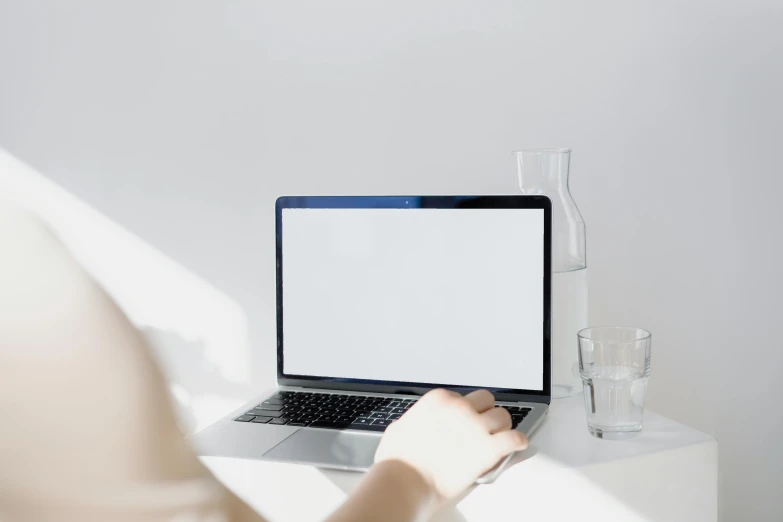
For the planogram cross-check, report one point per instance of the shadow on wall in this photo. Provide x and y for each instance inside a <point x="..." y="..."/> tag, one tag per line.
<point x="198" y="333"/>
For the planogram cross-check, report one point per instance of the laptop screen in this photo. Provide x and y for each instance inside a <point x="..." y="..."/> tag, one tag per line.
<point x="443" y="296"/>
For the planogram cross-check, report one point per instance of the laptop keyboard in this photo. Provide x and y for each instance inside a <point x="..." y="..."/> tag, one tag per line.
<point x="337" y="411"/>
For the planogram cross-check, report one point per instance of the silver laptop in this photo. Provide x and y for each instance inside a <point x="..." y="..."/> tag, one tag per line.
<point x="380" y="299"/>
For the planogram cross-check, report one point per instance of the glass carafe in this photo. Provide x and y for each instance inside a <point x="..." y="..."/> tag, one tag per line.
<point x="545" y="172"/>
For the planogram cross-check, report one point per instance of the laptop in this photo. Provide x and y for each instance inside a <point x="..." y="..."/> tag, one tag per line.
<point x="381" y="299"/>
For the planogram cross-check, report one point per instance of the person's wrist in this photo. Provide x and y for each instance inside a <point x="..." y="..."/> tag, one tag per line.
<point x="409" y="484"/>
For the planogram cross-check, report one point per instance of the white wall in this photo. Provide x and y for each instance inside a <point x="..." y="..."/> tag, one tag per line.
<point x="183" y="120"/>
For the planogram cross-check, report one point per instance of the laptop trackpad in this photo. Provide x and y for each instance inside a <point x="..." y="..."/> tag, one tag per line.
<point x="327" y="448"/>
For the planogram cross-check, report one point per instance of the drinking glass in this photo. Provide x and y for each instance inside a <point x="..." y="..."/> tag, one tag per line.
<point x="614" y="363"/>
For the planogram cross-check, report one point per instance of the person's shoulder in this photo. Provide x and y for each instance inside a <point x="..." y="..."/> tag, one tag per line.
<point x="20" y="227"/>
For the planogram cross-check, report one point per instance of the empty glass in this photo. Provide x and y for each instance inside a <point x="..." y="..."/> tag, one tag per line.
<point x="614" y="363"/>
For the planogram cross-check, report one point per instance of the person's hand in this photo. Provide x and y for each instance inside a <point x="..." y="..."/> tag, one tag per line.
<point x="451" y="440"/>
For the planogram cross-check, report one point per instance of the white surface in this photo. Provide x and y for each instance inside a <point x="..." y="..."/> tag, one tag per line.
<point x="668" y="473"/>
<point x="183" y="121"/>
<point x="415" y="295"/>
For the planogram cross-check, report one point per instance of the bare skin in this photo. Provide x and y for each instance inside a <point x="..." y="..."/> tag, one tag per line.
<point x="431" y="455"/>
<point x="70" y="359"/>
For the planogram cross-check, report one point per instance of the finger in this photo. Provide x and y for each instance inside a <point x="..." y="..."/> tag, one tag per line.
<point x="508" y="441"/>
<point x="481" y="400"/>
<point x="496" y="419"/>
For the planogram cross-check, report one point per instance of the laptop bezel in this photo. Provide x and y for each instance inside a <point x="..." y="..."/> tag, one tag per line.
<point x="413" y="202"/>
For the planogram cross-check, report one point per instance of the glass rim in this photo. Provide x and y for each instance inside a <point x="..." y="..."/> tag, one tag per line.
<point x="555" y="150"/>
<point x="644" y="334"/>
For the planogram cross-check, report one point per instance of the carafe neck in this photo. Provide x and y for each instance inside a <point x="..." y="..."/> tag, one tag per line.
<point x="543" y="171"/>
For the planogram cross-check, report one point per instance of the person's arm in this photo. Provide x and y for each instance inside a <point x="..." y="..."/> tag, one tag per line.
<point x="88" y="429"/>
<point x="432" y="454"/>
<point x="73" y="368"/>
<point x="392" y="491"/>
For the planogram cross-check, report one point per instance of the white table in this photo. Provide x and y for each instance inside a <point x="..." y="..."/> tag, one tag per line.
<point x="669" y="472"/>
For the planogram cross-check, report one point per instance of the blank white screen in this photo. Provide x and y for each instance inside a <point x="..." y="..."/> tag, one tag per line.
<point x="443" y="296"/>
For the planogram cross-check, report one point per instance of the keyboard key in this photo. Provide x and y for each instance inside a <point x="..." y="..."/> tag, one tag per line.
<point x="298" y="423"/>
<point x="378" y="416"/>
<point x="394" y="416"/>
<point x="266" y="413"/>
<point x="244" y="418"/>
<point x="273" y="401"/>
<point x="344" y="420"/>
<point x="261" y="420"/>
<point x="367" y="427"/>
<point x="274" y="407"/>
<point x="330" y="425"/>
<point x="515" y="409"/>
<point x="381" y="422"/>
<point x="280" y="420"/>
<point x="398" y="410"/>
<point x="382" y="410"/>
<point x="363" y="420"/>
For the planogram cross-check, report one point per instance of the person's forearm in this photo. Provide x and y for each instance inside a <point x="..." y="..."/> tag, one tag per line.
<point x="391" y="492"/>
